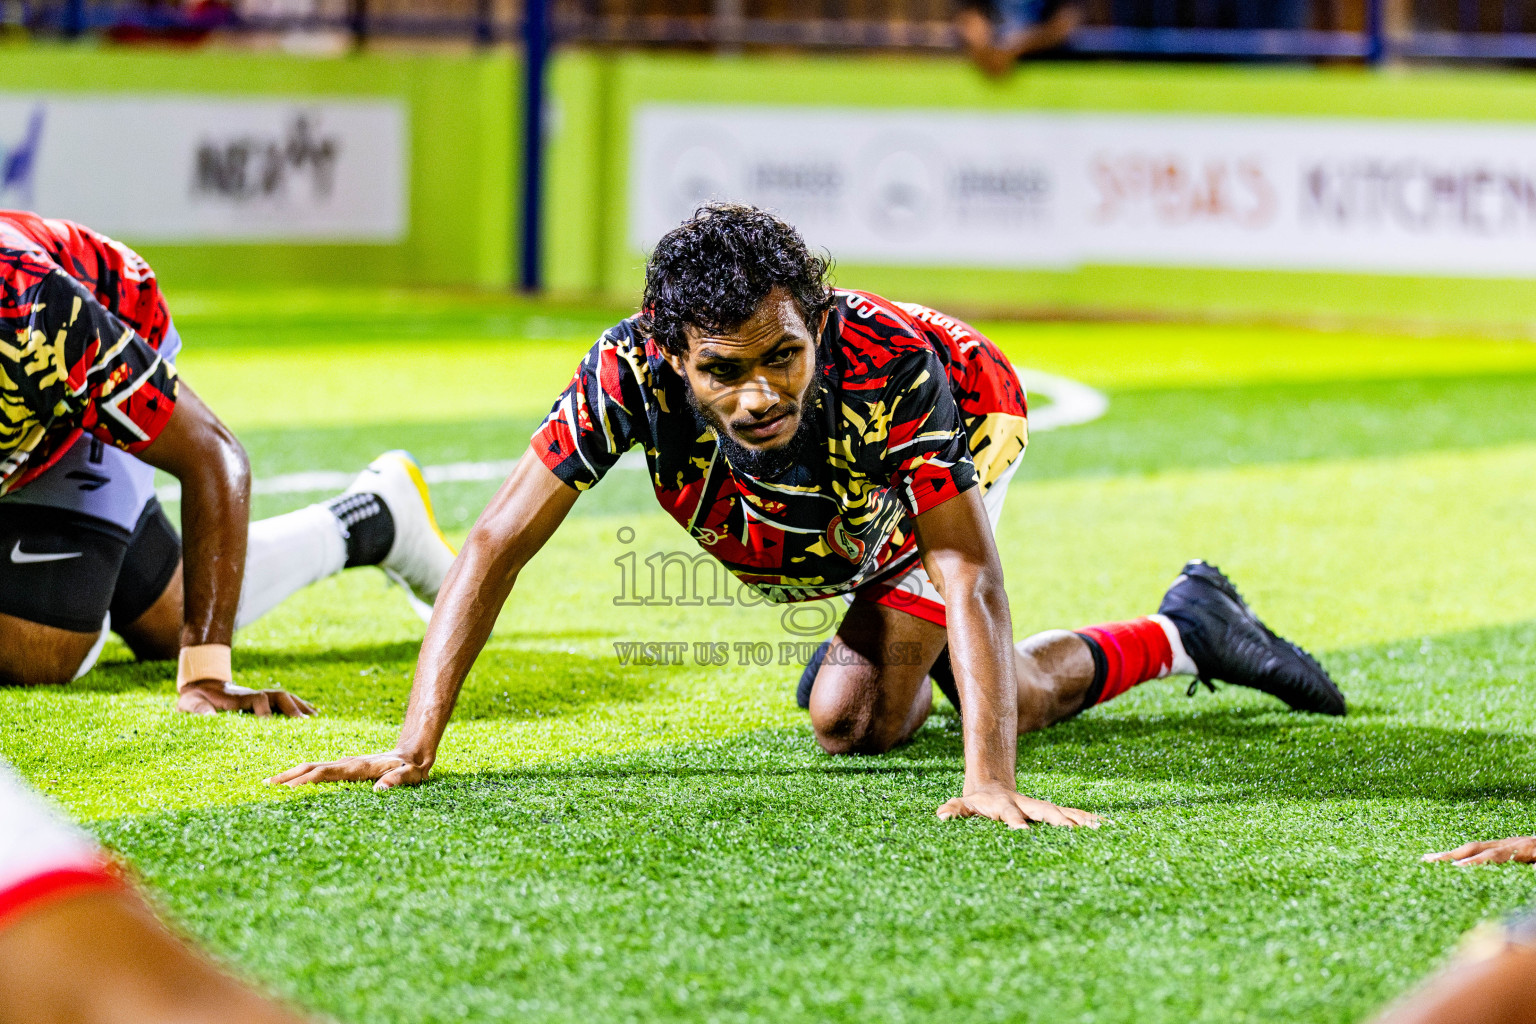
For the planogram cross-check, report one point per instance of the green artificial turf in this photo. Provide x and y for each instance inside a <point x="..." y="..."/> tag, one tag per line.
<point x="610" y="842"/>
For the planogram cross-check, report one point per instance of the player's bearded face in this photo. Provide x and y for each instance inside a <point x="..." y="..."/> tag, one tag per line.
<point x="756" y="385"/>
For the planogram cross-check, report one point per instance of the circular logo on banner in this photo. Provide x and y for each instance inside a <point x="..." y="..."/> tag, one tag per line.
<point x="697" y="168"/>
<point x="904" y="189"/>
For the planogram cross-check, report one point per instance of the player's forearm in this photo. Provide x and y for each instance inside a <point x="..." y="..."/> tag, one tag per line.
<point x="1490" y="991"/>
<point x="974" y="30"/>
<point x="215" y="476"/>
<point x="215" y="519"/>
<point x="981" y="650"/>
<point x="514" y="527"/>
<point x="137" y="970"/>
<point x="472" y="597"/>
<point x="473" y="593"/>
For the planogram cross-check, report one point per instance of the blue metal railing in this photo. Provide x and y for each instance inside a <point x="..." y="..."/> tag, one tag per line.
<point x="1467" y="40"/>
<point x="1469" y="37"/>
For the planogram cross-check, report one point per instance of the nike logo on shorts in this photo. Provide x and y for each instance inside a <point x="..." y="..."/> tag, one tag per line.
<point x="21" y="557"/>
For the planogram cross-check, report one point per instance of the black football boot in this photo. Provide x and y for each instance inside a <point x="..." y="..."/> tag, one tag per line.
<point x="1227" y="641"/>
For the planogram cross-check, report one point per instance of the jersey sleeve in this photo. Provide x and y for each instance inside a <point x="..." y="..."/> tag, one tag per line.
<point x="114" y="380"/>
<point x="42" y="857"/>
<point x="926" y="459"/>
<point x="598" y="416"/>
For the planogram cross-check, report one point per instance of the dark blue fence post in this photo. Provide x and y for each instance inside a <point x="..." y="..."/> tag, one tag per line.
<point x="74" y="19"/>
<point x="1375" y="31"/>
<point x="485" y="33"/>
<point x="357" y="22"/>
<point x="535" y="57"/>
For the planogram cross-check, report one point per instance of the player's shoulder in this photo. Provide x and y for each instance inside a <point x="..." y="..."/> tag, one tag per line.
<point x="22" y="251"/>
<point x="624" y="352"/>
<point x="875" y="339"/>
<point x="866" y="314"/>
<point x="941" y="327"/>
<point x="627" y="342"/>
<point x="24" y="231"/>
<point x="75" y="248"/>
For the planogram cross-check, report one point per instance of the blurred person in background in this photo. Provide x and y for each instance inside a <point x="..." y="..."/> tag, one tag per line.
<point x="90" y="406"/>
<point x="305" y="31"/>
<point x="1492" y="980"/>
<point x="170" y="21"/>
<point x="79" y="946"/>
<point x="997" y="34"/>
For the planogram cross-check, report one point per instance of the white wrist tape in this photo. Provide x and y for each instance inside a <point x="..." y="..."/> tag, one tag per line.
<point x="205" y="662"/>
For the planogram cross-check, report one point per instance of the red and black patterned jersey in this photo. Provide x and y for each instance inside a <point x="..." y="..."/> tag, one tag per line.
<point x="915" y="408"/>
<point x="81" y="324"/>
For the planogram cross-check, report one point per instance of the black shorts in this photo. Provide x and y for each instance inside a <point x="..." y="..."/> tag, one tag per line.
<point x="64" y="569"/>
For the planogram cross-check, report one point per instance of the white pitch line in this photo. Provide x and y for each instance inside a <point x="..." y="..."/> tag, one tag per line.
<point x="1072" y="403"/>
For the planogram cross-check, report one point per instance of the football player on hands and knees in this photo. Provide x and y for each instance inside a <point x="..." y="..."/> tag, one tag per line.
<point x="829" y="443"/>
<point x="90" y="406"/>
<point x="78" y="945"/>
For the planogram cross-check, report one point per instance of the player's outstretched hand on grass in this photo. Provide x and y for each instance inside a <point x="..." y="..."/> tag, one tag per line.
<point x="209" y="698"/>
<point x="1520" y="849"/>
<point x="1016" y="810"/>
<point x="385" y="771"/>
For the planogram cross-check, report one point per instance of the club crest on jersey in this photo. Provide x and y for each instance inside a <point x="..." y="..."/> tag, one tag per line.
<point x="843" y="542"/>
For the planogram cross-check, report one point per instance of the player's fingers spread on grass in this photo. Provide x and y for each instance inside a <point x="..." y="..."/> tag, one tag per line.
<point x="290" y="705"/>
<point x="1497" y="855"/>
<point x="1464" y="850"/>
<point x="261" y="704"/>
<point x="1041" y="810"/>
<point x="956" y="808"/>
<point x="1521" y="849"/>
<point x="405" y="775"/>
<point x="1014" y="817"/>
<point x="1079" y="818"/>
<point x="307" y="773"/>
<point x="292" y="773"/>
<point x="331" y="772"/>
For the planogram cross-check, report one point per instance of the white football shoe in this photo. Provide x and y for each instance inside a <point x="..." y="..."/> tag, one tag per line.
<point x="420" y="555"/>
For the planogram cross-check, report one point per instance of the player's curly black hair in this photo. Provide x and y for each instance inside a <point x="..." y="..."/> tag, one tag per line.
<point x="712" y="271"/>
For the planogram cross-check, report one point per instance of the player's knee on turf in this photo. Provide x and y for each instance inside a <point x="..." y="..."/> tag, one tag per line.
<point x="852" y="727"/>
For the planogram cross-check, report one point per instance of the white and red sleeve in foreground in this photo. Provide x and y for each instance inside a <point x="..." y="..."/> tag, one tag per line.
<point x="42" y="856"/>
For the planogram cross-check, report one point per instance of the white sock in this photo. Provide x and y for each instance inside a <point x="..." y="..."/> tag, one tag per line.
<point x="1183" y="664"/>
<point x="284" y="555"/>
